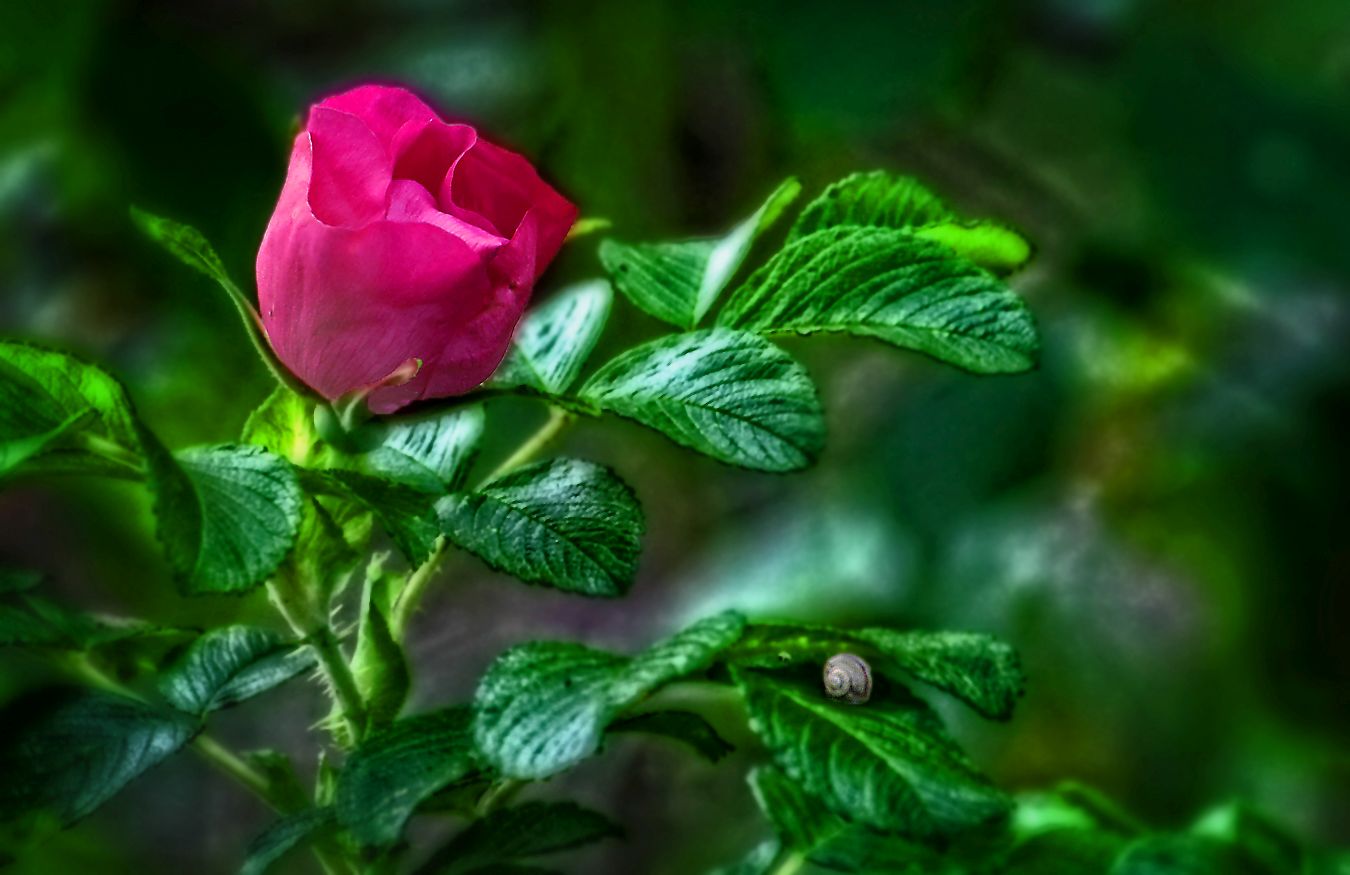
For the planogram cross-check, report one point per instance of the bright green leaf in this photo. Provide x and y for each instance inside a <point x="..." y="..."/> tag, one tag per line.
<point x="553" y="341"/>
<point x="47" y="398"/>
<point x="727" y="394"/>
<point x="397" y="768"/>
<point x="889" y="765"/>
<point x="884" y="200"/>
<point x="283" y="424"/>
<point x="522" y="831"/>
<point x="283" y="836"/>
<point x="379" y="664"/>
<point x="406" y="513"/>
<point x="228" y="514"/>
<point x="230" y="664"/>
<point x="887" y="284"/>
<point x="685" y="727"/>
<point x="70" y="759"/>
<point x="877" y="198"/>
<point x="679" y="282"/>
<point x="564" y="523"/>
<point x="544" y="706"/>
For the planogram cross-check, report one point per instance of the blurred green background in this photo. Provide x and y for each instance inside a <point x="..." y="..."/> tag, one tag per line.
<point x="1157" y="518"/>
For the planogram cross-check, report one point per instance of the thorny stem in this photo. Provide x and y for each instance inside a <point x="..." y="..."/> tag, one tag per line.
<point x="303" y="620"/>
<point x="413" y="590"/>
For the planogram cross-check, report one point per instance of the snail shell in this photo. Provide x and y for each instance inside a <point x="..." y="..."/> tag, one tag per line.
<point x="848" y="678"/>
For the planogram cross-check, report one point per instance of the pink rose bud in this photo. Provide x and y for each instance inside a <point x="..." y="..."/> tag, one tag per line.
<point x="399" y="238"/>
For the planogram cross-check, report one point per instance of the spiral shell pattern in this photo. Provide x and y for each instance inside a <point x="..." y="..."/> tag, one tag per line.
<point x="848" y="678"/>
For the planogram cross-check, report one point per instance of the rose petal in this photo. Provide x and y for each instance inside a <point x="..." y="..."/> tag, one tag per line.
<point x="410" y="202"/>
<point x="383" y="108"/>
<point x="350" y="169"/>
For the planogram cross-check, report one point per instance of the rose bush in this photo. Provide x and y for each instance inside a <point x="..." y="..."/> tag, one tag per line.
<point x="401" y="237"/>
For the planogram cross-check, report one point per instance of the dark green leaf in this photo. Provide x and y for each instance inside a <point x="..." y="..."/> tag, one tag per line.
<point x="890" y="285"/>
<point x="889" y="765"/>
<point x="228" y="514"/>
<point x="1063" y="851"/>
<point x="544" y="706"/>
<point x="554" y="340"/>
<point x="564" y="523"/>
<point x="1183" y="855"/>
<point x="230" y="664"/>
<point x="283" y="836"/>
<point x="679" y="282"/>
<point x="728" y="394"/>
<point x="32" y="621"/>
<point x="69" y="759"/>
<point x="523" y="831"/>
<point x="804" y="825"/>
<point x="398" y="767"/>
<point x="1259" y="838"/>
<point x="46" y="398"/>
<point x="185" y="243"/>
<point x="877" y="198"/>
<point x="982" y="671"/>
<point x="685" y="727"/>
<point x="763" y="859"/>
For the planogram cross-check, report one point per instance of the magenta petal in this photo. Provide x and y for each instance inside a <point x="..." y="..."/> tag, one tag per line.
<point x="345" y="307"/>
<point x="410" y="202"/>
<point x="350" y="169"/>
<point x="425" y="152"/>
<point x="383" y="108"/>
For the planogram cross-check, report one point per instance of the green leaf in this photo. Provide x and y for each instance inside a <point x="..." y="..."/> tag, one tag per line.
<point x="444" y="444"/>
<point x="830" y="841"/>
<point x="763" y="859"/>
<point x="553" y="341"/>
<point x="991" y="246"/>
<point x="379" y="664"/>
<point x="283" y="836"/>
<point x="68" y="760"/>
<point x="888" y="765"/>
<point x="1182" y="855"/>
<point x="47" y="398"/>
<point x="887" y="284"/>
<point x="876" y="198"/>
<point x="228" y="514"/>
<point x="679" y="282"/>
<point x="230" y="664"/>
<point x="981" y="671"/>
<point x="406" y="513"/>
<point x="32" y="621"/>
<point x="522" y="831"/>
<point x="397" y="768"/>
<point x="1259" y="838"/>
<point x="564" y="523"/>
<point x="881" y="199"/>
<point x="727" y="394"/>
<point x="1063" y="851"/>
<point x="283" y="424"/>
<point x="685" y="727"/>
<point x="544" y="706"/>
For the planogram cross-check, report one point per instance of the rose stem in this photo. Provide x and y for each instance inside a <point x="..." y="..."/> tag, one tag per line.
<point x="558" y="420"/>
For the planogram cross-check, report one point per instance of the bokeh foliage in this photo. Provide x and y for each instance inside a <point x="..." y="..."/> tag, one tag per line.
<point x="1155" y="518"/>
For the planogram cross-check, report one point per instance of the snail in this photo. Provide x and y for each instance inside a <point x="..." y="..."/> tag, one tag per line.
<point x="848" y="678"/>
